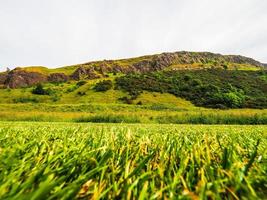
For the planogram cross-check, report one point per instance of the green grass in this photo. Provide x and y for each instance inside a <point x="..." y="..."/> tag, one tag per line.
<point x="149" y="113"/>
<point x="108" y="161"/>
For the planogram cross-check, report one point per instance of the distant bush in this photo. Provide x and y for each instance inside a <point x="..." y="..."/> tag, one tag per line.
<point x="103" y="86"/>
<point x="225" y="66"/>
<point x="81" y="83"/>
<point x="139" y="103"/>
<point x="72" y="88"/>
<point x="39" y="90"/>
<point x="81" y="93"/>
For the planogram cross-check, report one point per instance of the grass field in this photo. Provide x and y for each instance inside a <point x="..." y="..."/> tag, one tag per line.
<point x="156" y="113"/>
<point x="133" y="161"/>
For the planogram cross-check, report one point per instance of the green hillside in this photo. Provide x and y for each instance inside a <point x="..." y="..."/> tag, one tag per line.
<point x="180" y="87"/>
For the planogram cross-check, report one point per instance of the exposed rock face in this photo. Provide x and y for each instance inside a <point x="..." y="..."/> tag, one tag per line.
<point x="19" y="78"/>
<point x="143" y="66"/>
<point x="3" y="77"/>
<point x="164" y="60"/>
<point x="155" y="63"/>
<point x="84" y="73"/>
<point x="57" y="78"/>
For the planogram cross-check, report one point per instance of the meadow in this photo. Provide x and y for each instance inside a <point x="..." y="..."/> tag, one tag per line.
<point x="40" y="160"/>
<point x="155" y="113"/>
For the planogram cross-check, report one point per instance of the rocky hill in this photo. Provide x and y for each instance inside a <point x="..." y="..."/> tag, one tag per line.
<point x="24" y="77"/>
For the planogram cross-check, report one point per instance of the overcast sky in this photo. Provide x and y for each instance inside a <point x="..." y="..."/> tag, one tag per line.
<point x="55" y="33"/>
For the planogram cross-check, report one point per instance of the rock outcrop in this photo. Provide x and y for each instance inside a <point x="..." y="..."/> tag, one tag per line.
<point x="19" y="78"/>
<point x="157" y="62"/>
<point x="85" y="73"/>
<point x="3" y="77"/>
<point x="57" y="78"/>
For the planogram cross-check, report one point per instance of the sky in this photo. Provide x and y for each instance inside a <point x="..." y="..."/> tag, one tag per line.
<point x="56" y="33"/>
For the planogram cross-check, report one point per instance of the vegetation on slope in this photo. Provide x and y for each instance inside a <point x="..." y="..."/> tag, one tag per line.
<point x="163" y="88"/>
<point x="212" y="88"/>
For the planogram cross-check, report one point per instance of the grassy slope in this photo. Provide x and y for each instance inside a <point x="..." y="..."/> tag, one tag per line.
<point x="105" y="107"/>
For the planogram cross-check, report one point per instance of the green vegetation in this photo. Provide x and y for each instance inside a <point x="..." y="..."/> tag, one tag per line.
<point x="71" y="161"/>
<point x="117" y="113"/>
<point x="112" y="133"/>
<point x="39" y="90"/>
<point x="103" y="86"/>
<point x="213" y="88"/>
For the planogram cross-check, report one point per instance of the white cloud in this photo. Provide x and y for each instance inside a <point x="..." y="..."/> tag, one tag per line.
<point x="61" y="32"/>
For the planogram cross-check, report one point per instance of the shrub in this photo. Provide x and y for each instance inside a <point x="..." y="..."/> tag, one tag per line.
<point x="72" y="88"/>
<point x="187" y="77"/>
<point x="225" y="67"/>
<point x="196" y="82"/>
<point x="139" y="103"/>
<point x="81" y="83"/>
<point x="103" y="86"/>
<point x="234" y="99"/>
<point x="39" y="90"/>
<point x="81" y="93"/>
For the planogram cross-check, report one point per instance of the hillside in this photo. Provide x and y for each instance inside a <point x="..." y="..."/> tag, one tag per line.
<point x="28" y="76"/>
<point x="180" y="79"/>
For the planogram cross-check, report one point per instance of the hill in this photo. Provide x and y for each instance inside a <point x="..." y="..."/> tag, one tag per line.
<point x="28" y="76"/>
<point x="183" y="79"/>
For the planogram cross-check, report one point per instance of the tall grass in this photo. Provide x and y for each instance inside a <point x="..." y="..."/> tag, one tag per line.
<point x="208" y="118"/>
<point x="128" y="114"/>
<point x="109" y="119"/>
<point x="77" y="161"/>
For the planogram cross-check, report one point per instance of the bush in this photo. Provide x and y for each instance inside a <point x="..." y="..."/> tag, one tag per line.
<point x="80" y="93"/>
<point x="234" y="99"/>
<point x="103" y="86"/>
<point x="39" y="90"/>
<point x="72" y="88"/>
<point x="81" y="83"/>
